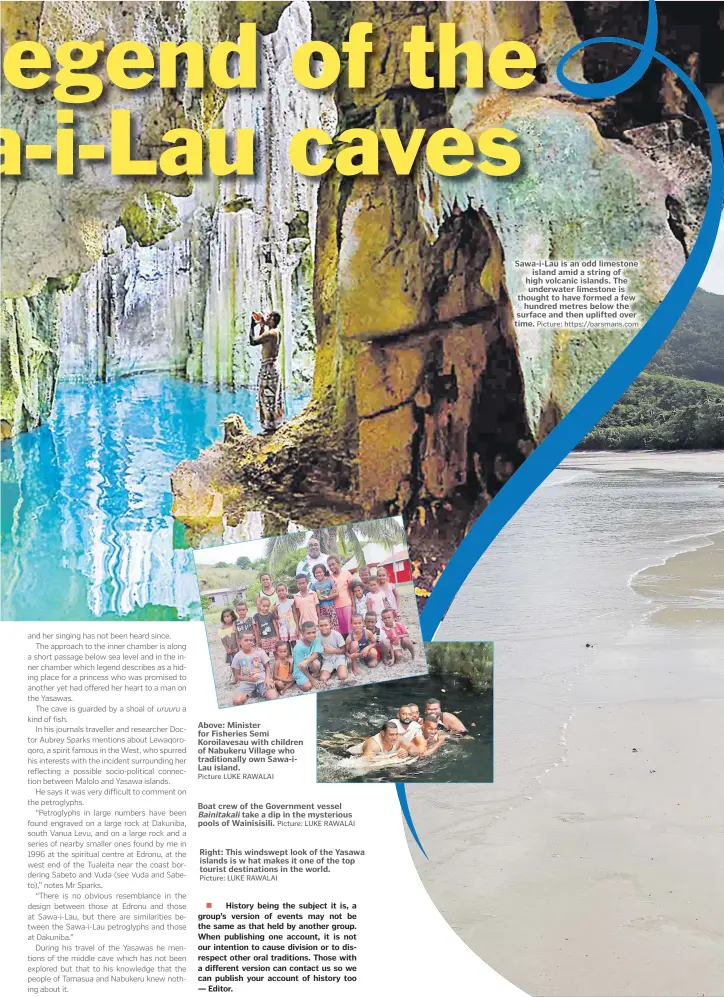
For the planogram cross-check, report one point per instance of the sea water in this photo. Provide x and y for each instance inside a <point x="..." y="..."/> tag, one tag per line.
<point x="612" y="548"/>
<point x="87" y="530"/>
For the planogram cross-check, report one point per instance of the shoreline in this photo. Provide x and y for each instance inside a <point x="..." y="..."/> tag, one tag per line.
<point x="599" y="843"/>
<point x="713" y="460"/>
<point x="708" y="540"/>
<point x="599" y="880"/>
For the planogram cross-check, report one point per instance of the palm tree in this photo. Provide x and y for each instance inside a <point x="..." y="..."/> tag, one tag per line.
<point x="385" y="532"/>
<point x="277" y="548"/>
<point x="350" y="537"/>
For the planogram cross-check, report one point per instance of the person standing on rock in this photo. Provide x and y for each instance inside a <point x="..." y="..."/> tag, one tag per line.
<point x="264" y="332"/>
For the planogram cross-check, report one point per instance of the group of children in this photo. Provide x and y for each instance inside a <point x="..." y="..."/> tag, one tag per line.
<point x="334" y="623"/>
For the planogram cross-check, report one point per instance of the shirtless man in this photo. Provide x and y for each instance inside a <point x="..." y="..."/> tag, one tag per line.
<point x="269" y="384"/>
<point x="446" y="721"/>
<point x="430" y="739"/>
<point x="385" y="743"/>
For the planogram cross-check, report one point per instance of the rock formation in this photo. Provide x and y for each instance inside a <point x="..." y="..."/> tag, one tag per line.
<point x="426" y="395"/>
<point x="173" y="283"/>
<point x="399" y="294"/>
<point x="30" y="358"/>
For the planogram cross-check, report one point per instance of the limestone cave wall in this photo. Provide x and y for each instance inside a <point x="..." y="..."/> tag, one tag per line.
<point x="399" y="295"/>
<point x="426" y="394"/>
<point x="161" y="276"/>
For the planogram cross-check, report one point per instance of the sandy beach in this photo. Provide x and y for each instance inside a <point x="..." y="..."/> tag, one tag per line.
<point x="382" y="673"/>
<point x="594" y="864"/>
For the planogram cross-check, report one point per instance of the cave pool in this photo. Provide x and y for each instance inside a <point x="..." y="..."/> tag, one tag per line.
<point x="87" y="531"/>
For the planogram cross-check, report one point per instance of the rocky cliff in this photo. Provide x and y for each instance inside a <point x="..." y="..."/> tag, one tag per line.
<point x="427" y="395"/>
<point x="30" y="357"/>
<point x="167" y="282"/>
<point x="399" y="294"/>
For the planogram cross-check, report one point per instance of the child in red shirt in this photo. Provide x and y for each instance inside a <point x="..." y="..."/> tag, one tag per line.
<point x="396" y="635"/>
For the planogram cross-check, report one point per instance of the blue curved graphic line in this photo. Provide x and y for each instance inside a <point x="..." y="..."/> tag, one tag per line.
<point x="601" y="396"/>
<point x="627" y="79"/>
<point x="598" y="399"/>
<point x="405" y="807"/>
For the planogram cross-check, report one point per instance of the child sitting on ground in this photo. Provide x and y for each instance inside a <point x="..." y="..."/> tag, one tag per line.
<point x="265" y="627"/>
<point x="333" y="652"/>
<point x="361" y="645"/>
<point x="306" y="657"/>
<point x="282" y="667"/>
<point x="397" y="636"/>
<point x="384" y="651"/>
<point x="252" y="673"/>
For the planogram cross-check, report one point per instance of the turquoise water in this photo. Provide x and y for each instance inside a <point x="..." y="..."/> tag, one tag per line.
<point x="86" y="499"/>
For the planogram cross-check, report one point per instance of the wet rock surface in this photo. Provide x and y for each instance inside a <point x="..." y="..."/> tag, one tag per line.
<point x="398" y="294"/>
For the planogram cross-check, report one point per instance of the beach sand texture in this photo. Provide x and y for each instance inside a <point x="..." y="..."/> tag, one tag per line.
<point x="594" y="863"/>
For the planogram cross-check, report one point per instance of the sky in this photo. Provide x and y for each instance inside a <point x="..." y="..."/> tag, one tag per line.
<point x="713" y="277"/>
<point x="253" y="549"/>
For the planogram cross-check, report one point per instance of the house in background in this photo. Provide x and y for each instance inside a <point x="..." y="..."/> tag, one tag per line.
<point x="224" y="597"/>
<point x="397" y="561"/>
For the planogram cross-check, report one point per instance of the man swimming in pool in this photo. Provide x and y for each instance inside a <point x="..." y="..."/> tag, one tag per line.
<point x="407" y="726"/>
<point x="430" y="739"/>
<point x="445" y="721"/>
<point x="385" y="743"/>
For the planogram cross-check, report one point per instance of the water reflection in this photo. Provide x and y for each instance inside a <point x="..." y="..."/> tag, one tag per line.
<point x="86" y="501"/>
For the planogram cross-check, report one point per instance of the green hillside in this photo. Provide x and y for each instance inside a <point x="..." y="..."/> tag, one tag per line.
<point x="678" y="403"/>
<point x="695" y="348"/>
<point x="662" y="413"/>
<point x="213" y="577"/>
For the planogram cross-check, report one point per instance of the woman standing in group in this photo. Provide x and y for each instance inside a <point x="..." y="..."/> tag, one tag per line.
<point x="343" y="601"/>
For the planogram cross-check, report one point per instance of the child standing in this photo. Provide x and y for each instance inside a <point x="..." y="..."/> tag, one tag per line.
<point x="284" y="613"/>
<point x="326" y="590"/>
<point x="305" y="604"/>
<point x="376" y="601"/>
<point x="282" y="667"/>
<point x="227" y="633"/>
<point x="265" y="627"/>
<point x="388" y="590"/>
<point x="267" y="589"/>
<point x="343" y="600"/>
<point x="359" y="599"/>
<point x="244" y="623"/>
<point x="397" y="636"/>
